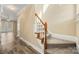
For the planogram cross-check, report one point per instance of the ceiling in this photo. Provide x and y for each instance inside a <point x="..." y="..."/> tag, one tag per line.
<point x="11" y="10"/>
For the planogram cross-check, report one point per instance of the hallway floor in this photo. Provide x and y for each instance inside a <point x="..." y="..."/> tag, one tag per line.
<point x="19" y="47"/>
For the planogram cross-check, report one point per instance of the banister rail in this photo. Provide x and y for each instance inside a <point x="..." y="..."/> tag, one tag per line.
<point x="45" y="29"/>
<point x="62" y="37"/>
<point x="39" y="18"/>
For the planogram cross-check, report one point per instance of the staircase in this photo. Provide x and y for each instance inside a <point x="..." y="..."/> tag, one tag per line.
<point x="66" y="44"/>
<point x="59" y="48"/>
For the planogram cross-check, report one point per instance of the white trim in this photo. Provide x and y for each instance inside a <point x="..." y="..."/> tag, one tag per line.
<point x="64" y="37"/>
<point x="36" y="48"/>
<point x="67" y="37"/>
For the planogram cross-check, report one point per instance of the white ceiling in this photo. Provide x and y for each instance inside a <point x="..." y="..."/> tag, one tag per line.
<point x="11" y="10"/>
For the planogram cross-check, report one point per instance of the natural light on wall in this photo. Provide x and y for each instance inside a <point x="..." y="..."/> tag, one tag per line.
<point x="45" y="6"/>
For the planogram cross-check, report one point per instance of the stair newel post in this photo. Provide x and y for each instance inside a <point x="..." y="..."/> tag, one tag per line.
<point x="45" y="43"/>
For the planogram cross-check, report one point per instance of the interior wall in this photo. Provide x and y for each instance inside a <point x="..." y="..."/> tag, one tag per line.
<point x="27" y="19"/>
<point x="77" y="28"/>
<point x="60" y="19"/>
<point x="77" y="22"/>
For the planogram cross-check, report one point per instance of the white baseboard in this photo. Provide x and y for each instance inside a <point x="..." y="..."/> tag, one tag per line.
<point x="36" y="48"/>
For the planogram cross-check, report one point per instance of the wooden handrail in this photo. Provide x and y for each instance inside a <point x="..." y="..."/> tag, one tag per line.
<point x="39" y="18"/>
<point x="45" y="28"/>
<point x="45" y="43"/>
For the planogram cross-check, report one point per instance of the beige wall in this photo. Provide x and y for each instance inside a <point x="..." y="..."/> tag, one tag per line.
<point x="27" y="18"/>
<point x="61" y="17"/>
<point x="60" y="20"/>
<point x="77" y="22"/>
<point x="77" y="29"/>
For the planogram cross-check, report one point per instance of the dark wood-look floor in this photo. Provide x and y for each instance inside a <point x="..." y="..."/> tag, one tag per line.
<point x="20" y="47"/>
